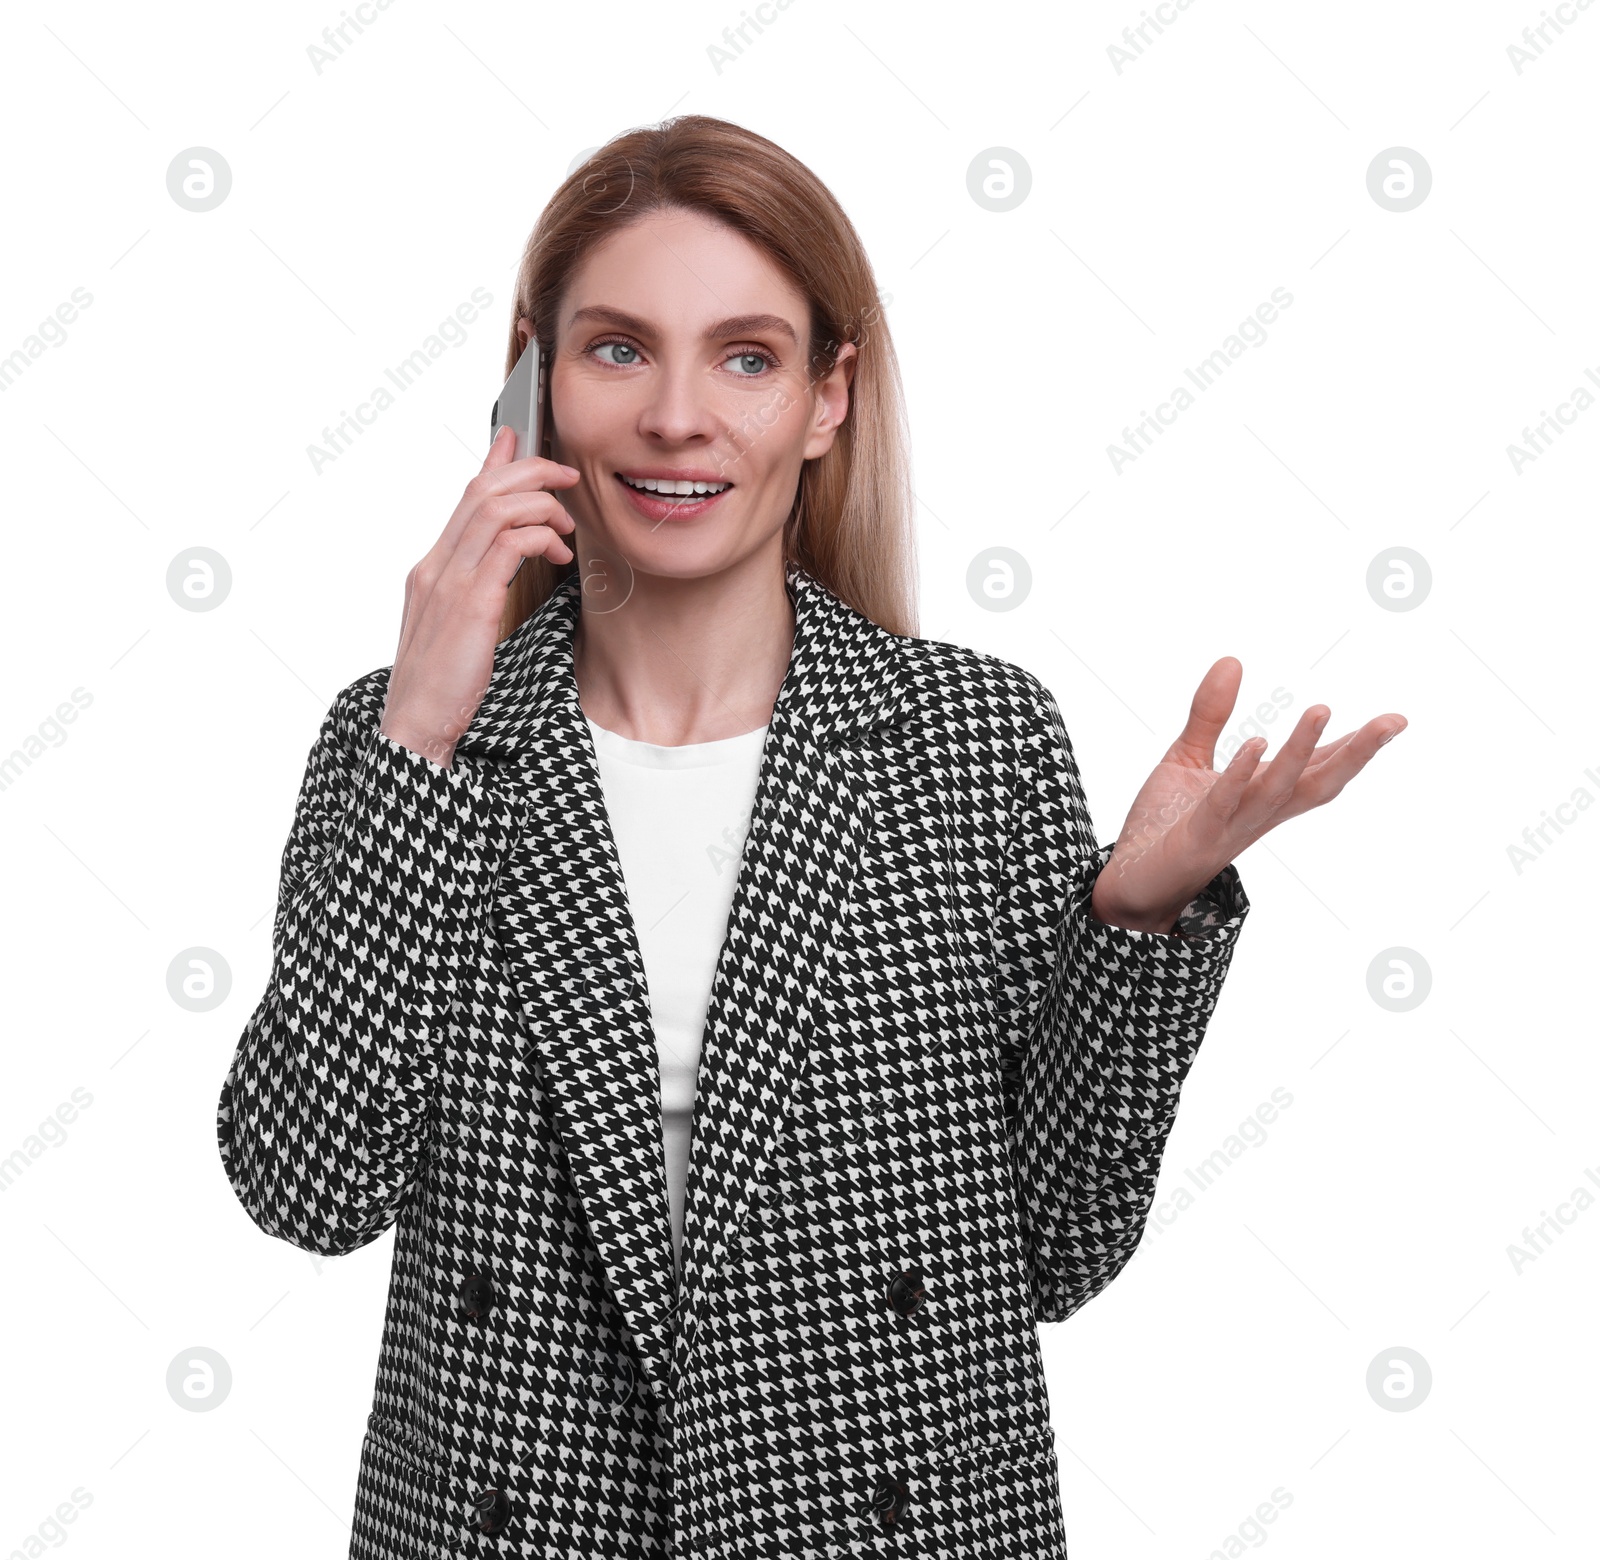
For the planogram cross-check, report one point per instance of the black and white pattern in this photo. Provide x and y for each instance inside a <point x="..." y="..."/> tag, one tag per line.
<point x="933" y="1097"/>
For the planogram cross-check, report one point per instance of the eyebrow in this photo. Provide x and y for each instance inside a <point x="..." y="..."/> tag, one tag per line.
<point x="734" y="325"/>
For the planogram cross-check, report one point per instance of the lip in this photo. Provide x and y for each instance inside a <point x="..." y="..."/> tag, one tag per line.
<point x="653" y="508"/>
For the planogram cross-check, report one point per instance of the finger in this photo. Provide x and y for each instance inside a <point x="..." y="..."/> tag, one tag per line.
<point x="1320" y="755"/>
<point x="405" y="609"/>
<point x="1228" y="789"/>
<point x="1275" y="784"/>
<point x="1208" y="712"/>
<point x="531" y="474"/>
<point x="526" y="474"/>
<point x="1351" y="759"/>
<point x="495" y="513"/>
<point x="502" y="447"/>
<point x="1380" y="728"/>
<point x="526" y="541"/>
<point x="471" y="535"/>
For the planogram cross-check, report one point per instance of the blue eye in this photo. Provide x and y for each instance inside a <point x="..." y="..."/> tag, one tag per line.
<point x="755" y="358"/>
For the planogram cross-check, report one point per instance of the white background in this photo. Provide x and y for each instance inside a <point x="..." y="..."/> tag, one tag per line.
<point x="1169" y="199"/>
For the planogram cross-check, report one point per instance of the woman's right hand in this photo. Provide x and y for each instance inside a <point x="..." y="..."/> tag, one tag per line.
<point x="456" y="597"/>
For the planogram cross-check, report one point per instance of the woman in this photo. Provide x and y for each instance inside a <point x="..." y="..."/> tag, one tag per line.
<point x="932" y="1033"/>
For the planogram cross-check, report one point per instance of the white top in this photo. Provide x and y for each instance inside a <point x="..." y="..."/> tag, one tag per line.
<point x="679" y="816"/>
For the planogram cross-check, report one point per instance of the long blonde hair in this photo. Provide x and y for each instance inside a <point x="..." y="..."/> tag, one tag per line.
<point x="851" y="525"/>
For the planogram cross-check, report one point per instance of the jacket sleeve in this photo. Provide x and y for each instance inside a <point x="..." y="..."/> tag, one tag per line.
<point x="323" y="1118"/>
<point x="1098" y="1028"/>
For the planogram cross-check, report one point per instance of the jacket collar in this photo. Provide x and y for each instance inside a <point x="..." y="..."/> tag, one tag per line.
<point x="844" y="674"/>
<point x="562" y="918"/>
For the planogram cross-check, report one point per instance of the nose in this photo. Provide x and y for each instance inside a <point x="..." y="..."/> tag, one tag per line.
<point x="679" y="408"/>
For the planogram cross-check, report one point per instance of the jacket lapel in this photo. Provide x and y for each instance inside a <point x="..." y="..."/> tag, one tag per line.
<point x="805" y="838"/>
<point x="562" y="916"/>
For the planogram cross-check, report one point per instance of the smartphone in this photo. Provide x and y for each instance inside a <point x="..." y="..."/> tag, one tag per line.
<point x="520" y="405"/>
<point x="521" y="402"/>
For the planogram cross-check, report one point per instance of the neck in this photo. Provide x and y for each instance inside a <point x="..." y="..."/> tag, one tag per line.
<point x="676" y="661"/>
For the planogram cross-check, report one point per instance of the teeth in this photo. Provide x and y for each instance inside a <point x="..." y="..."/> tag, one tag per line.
<point x="676" y="489"/>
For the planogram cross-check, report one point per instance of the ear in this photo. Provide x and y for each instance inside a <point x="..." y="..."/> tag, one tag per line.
<point x="524" y="330"/>
<point x="832" y="394"/>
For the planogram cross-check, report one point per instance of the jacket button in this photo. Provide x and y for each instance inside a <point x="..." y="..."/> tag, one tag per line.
<point x="476" y="1295"/>
<point x="906" y="1292"/>
<point x="890" y="1497"/>
<point x="491" y="1510"/>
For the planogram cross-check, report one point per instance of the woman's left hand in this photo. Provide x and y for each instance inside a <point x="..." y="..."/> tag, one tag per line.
<point x="1189" y="821"/>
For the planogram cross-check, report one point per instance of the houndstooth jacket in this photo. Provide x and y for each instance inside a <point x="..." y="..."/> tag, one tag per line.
<point x="933" y="1098"/>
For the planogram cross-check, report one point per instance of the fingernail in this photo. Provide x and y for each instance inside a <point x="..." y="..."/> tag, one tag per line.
<point x="573" y="469"/>
<point x="1388" y="737"/>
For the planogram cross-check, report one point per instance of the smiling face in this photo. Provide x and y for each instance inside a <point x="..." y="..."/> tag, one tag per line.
<point x="681" y="357"/>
